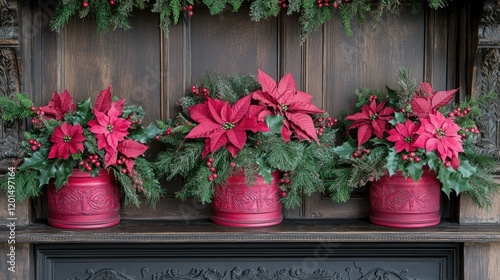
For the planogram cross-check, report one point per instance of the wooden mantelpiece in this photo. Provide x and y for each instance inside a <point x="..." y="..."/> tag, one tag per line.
<point x="204" y="231"/>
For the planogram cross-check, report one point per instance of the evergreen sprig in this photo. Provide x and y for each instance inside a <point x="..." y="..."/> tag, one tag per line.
<point x="312" y="15"/>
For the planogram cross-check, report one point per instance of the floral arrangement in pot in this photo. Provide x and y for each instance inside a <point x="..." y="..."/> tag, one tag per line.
<point x="405" y="143"/>
<point x="83" y="151"/>
<point x="234" y="131"/>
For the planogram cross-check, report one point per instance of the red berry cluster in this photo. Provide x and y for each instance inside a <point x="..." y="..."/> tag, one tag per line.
<point x="203" y="92"/>
<point x="410" y="157"/>
<point x="372" y="97"/>
<point x="474" y="130"/>
<point x="361" y="153"/>
<point x="323" y="3"/>
<point x="85" y="4"/>
<point x="458" y="112"/>
<point x="321" y="123"/>
<point x="35" y="145"/>
<point x="39" y="115"/>
<point x="214" y="175"/>
<point x="285" y="180"/>
<point x="283" y="3"/>
<point x="168" y="131"/>
<point x="111" y="2"/>
<point x="189" y="9"/>
<point x="92" y="160"/>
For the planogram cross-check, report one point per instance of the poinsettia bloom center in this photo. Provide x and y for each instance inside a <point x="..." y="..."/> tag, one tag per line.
<point x="66" y="138"/>
<point x="374" y="116"/>
<point x="284" y="107"/>
<point x="408" y="139"/>
<point x="228" y="126"/>
<point x="110" y="128"/>
<point x="440" y="133"/>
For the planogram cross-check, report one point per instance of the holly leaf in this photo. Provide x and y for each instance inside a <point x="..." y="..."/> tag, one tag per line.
<point x="433" y="160"/>
<point x="144" y="135"/>
<point x="131" y="148"/>
<point x="36" y="160"/>
<point x="63" y="174"/>
<point x="392" y="162"/>
<point x="392" y="97"/>
<point x="398" y="118"/>
<point x="467" y="169"/>
<point x="274" y="123"/>
<point x="415" y="170"/>
<point x="264" y="170"/>
<point x="46" y="172"/>
<point x="346" y="149"/>
<point x="83" y="113"/>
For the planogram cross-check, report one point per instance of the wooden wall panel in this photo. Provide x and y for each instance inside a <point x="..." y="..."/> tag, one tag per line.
<point x="481" y="261"/>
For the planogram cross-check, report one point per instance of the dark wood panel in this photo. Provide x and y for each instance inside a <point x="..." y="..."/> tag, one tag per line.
<point x="128" y="60"/>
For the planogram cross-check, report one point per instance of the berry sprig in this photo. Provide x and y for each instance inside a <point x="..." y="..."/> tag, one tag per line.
<point x="167" y="132"/>
<point x="203" y="92"/>
<point x="38" y="119"/>
<point x="360" y="153"/>
<point x="91" y="162"/>
<point x="35" y="145"/>
<point x="85" y="4"/>
<point x="212" y="169"/>
<point x="283" y="3"/>
<point x="189" y="10"/>
<point x="458" y="112"/>
<point x="473" y="130"/>
<point x="410" y="157"/>
<point x="321" y="123"/>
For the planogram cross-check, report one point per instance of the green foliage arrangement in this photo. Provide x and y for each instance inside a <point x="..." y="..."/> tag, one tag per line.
<point x="407" y="130"/>
<point x="205" y="153"/>
<point x="65" y="136"/>
<point x="312" y="13"/>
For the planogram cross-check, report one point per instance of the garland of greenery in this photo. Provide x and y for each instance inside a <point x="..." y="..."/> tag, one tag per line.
<point x="312" y="13"/>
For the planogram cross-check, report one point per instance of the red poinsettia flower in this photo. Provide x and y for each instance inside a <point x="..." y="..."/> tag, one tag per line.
<point x="371" y="120"/>
<point x="441" y="135"/>
<point x="426" y="101"/>
<point x="404" y="136"/>
<point x="59" y="106"/>
<point x="105" y="101"/>
<point x="225" y="125"/>
<point x="109" y="129"/>
<point x="68" y="140"/>
<point x="295" y="106"/>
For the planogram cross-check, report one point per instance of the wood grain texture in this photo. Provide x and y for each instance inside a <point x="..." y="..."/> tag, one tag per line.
<point x="23" y="261"/>
<point x="481" y="261"/>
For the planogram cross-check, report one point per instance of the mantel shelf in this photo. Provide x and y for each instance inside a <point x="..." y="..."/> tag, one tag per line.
<point x="204" y="231"/>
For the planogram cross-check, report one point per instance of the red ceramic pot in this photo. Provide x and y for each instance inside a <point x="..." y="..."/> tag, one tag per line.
<point x="85" y="201"/>
<point x="238" y="204"/>
<point x="403" y="203"/>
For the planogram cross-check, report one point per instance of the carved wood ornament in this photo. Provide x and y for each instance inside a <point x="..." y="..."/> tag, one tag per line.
<point x="487" y="78"/>
<point x="10" y="71"/>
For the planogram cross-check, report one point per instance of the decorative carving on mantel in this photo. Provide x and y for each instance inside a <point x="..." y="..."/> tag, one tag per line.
<point x="260" y="273"/>
<point x="9" y="20"/>
<point x="10" y="72"/>
<point x="487" y="79"/>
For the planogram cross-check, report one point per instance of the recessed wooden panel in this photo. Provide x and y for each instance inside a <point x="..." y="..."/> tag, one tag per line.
<point x="128" y="60"/>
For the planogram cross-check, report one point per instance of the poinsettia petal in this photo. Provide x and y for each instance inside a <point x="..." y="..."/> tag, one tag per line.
<point x="237" y="137"/>
<point x="455" y="162"/>
<point x="217" y="140"/>
<point x="365" y="132"/>
<point x="286" y="89"/>
<point x="110" y="158"/>
<point x="53" y="151"/>
<point x="358" y="116"/>
<point x="118" y="105"/>
<point x="268" y="84"/>
<point x="130" y="165"/>
<point x="103" y="102"/>
<point x="426" y="88"/>
<point x="232" y="150"/>
<point x="421" y="107"/>
<point x="305" y="123"/>
<point x="286" y="132"/>
<point x="265" y="99"/>
<point x="200" y="113"/>
<point x="215" y="108"/>
<point x="131" y="148"/>
<point x="441" y="98"/>
<point x="240" y="109"/>
<point x="432" y="144"/>
<point x="113" y="112"/>
<point x="203" y="130"/>
<point x="304" y="108"/>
